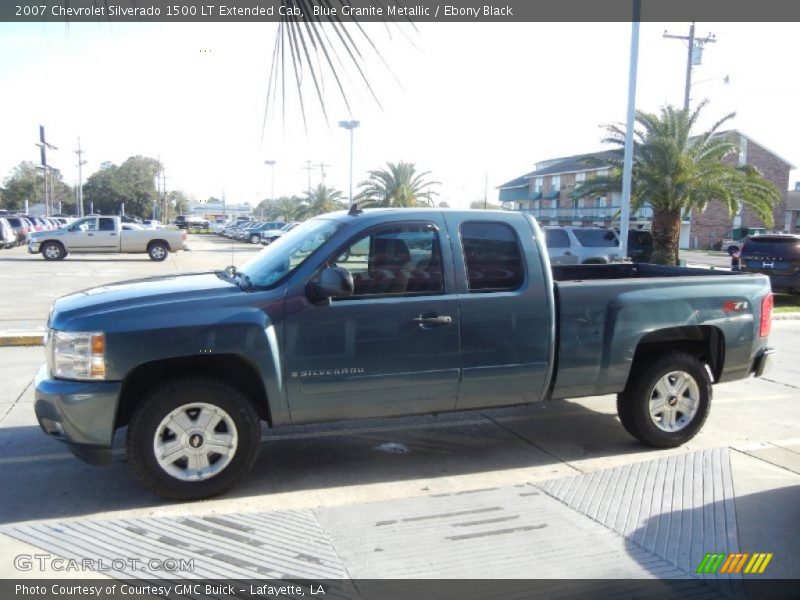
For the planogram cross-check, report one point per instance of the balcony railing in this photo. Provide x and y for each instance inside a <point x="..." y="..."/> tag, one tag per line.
<point x="589" y="213"/>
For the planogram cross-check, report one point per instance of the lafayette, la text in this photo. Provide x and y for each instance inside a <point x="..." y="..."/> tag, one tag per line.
<point x="144" y="589"/>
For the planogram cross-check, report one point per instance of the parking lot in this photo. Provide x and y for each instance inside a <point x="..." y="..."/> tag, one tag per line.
<point x="499" y="493"/>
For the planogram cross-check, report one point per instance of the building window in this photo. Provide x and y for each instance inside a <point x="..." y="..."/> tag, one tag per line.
<point x="538" y="184"/>
<point x="602" y="173"/>
<point x="600" y="202"/>
<point x="555" y="183"/>
<point x="580" y="177"/>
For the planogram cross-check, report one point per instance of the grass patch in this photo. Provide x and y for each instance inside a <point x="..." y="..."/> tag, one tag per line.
<point x="785" y="303"/>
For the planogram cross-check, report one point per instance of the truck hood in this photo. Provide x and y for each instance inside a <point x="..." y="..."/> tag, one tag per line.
<point x="140" y="293"/>
<point x="33" y="235"/>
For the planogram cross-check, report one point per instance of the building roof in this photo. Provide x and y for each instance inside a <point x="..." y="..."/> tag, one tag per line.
<point x="596" y="160"/>
<point x="565" y="164"/>
<point x="757" y="143"/>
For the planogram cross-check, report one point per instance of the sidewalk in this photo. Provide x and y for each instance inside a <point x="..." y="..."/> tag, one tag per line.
<point x="654" y="519"/>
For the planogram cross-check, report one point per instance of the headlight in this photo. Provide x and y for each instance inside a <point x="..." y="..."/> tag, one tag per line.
<point x="79" y="355"/>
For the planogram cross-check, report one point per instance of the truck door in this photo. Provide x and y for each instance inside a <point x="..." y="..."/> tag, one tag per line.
<point x="390" y="349"/>
<point x="80" y="235"/>
<point x="506" y="323"/>
<point x="106" y="238"/>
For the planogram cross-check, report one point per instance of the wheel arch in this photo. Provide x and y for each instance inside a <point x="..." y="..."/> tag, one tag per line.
<point x="158" y="241"/>
<point x="231" y="368"/>
<point x="704" y="342"/>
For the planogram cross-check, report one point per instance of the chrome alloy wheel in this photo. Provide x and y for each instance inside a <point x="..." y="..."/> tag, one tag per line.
<point x="52" y="251"/>
<point x="195" y="442"/>
<point x="158" y="252"/>
<point x="674" y="401"/>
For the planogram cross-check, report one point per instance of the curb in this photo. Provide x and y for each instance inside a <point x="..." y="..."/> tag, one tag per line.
<point x="787" y="316"/>
<point x="21" y="339"/>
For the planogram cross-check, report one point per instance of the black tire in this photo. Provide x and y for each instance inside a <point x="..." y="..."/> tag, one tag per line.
<point x="53" y="251"/>
<point x="146" y="428"/>
<point x="255" y="239"/>
<point x="634" y="403"/>
<point x="158" y="251"/>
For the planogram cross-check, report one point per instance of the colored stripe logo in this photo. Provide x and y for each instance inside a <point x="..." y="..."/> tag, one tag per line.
<point x="740" y="562"/>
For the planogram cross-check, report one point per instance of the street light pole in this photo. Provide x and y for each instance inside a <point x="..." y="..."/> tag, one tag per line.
<point x="271" y="164"/>
<point x="351" y="125"/>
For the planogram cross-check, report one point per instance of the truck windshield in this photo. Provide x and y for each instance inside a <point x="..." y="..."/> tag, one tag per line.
<point x="288" y="252"/>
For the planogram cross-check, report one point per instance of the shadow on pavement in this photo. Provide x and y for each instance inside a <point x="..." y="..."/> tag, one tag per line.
<point x="319" y="457"/>
<point x="684" y="537"/>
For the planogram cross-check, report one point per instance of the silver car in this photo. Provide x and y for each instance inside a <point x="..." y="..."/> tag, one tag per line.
<point x="570" y="245"/>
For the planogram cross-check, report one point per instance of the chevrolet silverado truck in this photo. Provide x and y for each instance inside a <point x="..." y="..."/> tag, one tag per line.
<point x="380" y="313"/>
<point x="105" y="235"/>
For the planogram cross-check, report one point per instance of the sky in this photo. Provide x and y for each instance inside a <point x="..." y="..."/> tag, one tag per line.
<point x="476" y="104"/>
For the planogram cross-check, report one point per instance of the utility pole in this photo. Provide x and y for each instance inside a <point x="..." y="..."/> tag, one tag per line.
<point x="44" y="146"/>
<point x="81" y="162"/>
<point x="694" y="57"/>
<point x="322" y="166"/>
<point x="308" y="168"/>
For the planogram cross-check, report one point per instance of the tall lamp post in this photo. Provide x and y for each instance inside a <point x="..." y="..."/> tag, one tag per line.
<point x="351" y="125"/>
<point x="271" y="165"/>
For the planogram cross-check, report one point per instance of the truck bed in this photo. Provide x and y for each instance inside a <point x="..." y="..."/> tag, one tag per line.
<point x="605" y="312"/>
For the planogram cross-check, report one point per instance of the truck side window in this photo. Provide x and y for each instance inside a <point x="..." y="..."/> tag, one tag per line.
<point x="106" y="224"/>
<point x="492" y="256"/>
<point x="399" y="259"/>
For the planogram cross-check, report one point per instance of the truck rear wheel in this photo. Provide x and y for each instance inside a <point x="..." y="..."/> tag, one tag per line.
<point x="157" y="251"/>
<point x="53" y="251"/>
<point x="667" y="399"/>
<point x="193" y="438"/>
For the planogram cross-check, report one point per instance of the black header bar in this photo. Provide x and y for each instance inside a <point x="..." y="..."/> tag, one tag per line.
<point x="433" y="11"/>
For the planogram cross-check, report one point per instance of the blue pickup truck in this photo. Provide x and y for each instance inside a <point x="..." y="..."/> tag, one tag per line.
<point x="378" y="313"/>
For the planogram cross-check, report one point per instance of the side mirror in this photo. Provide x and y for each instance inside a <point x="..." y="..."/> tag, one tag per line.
<point x="333" y="282"/>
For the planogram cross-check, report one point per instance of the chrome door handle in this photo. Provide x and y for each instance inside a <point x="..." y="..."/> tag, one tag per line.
<point x="438" y="320"/>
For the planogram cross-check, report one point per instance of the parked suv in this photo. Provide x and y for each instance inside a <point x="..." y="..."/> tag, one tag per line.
<point x="594" y="245"/>
<point x="775" y="255"/>
<point x="581" y="245"/>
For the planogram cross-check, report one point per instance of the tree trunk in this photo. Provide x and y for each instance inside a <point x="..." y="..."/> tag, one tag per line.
<point x="666" y="235"/>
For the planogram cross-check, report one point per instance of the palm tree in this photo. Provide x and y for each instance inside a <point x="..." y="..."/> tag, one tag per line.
<point x="675" y="173"/>
<point x="400" y="185"/>
<point x="317" y="38"/>
<point x="319" y="201"/>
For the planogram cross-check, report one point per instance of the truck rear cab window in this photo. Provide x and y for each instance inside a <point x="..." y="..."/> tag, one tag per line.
<point x="106" y="224"/>
<point x="401" y="259"/>
<point x="492" y="256"/>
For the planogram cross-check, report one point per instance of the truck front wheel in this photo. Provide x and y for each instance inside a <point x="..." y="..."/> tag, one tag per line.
<point x="193" y="438"/>
<point x="53" y="251"/>
<point x="667" y="399"/>
<point x="157" y="251"/>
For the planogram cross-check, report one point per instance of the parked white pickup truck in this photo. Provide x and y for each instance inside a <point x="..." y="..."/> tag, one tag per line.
<point x="105" y="235"/>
